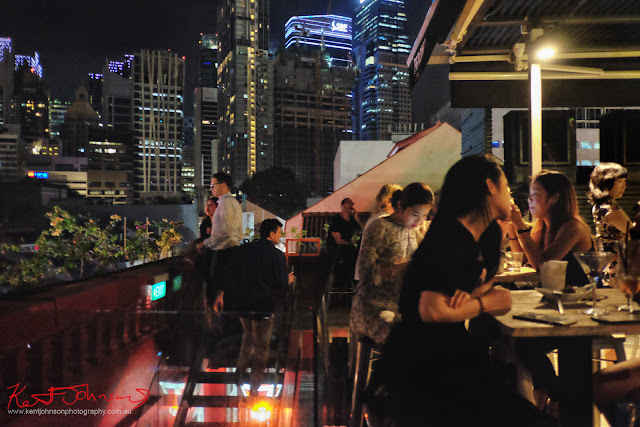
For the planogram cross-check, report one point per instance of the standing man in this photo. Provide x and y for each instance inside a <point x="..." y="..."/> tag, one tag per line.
<point x="344" y="254"/>
<point x="260" y="272"/>
<point x="226" y="232"/>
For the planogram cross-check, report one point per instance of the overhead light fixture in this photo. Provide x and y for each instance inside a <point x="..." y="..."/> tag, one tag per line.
<point x="545" y="53"/>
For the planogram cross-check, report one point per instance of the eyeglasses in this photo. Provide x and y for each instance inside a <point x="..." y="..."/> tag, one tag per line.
<point x="214" y="184"/>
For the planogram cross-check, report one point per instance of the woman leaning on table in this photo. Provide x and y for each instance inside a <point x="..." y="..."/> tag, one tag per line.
<point x="436" y="373"/>
<point x="557" y="232"/>
<point x="387" y="246"/>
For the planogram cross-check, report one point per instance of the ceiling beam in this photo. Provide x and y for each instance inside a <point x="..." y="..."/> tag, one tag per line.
<point x="585" y="20"/>
<point x="523" y="75"/>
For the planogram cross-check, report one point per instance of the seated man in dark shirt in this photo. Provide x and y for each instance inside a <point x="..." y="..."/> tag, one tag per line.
<point x="344" y="253"/>
<point x="256" y="275"/>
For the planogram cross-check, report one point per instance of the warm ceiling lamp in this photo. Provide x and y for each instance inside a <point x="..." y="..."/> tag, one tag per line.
<point x="545" y="53"/>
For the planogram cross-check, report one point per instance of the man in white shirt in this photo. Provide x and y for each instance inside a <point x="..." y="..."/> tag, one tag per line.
<point x="226" y="231"/>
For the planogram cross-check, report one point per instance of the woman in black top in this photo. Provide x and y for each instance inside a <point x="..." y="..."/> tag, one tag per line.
<point x="436" y="373"/>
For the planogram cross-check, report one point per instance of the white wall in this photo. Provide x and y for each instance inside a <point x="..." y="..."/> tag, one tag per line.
<point x="354" y="158"/>
<point x="426" y="160"/>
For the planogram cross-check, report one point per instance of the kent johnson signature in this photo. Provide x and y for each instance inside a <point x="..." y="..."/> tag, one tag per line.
<point x="71" y="395"/>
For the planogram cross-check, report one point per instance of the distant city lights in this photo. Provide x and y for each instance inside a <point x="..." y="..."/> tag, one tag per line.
<point x="32" y="61"/>
<point x="38" y="175"/>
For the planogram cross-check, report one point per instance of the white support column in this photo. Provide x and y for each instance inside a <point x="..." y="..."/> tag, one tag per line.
<point x="535" y="109"/>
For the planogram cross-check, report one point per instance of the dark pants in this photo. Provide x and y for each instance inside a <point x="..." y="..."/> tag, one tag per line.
<point x="344" y="264"/>
<point x="532" y="352"/>
<point x="254" y="351"/>
<point x="219" y="273"/>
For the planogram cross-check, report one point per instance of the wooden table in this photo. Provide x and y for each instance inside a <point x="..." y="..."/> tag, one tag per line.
<point x="575" y="352"/>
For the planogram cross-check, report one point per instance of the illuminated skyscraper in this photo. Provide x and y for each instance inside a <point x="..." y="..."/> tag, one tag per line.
<point x="208" y="60"/>
<point x="206" y="116"/>
<point x="57" y="110"/>
<point x="382" y="97"/>
<point x="312" y="115"/>
<point x="117" y="96"/>
<point x="327" y="32"/>
<point x="31" y="101"/>
<point x="94" y="88"/>
<point x="121" y="67"/>
<point x="245" y="88"/>
<point x="158" y="84"/>
<point x="32" y="62"/>
<point x="6" y="80"/>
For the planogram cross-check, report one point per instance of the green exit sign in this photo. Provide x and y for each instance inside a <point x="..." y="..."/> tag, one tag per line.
<point x="177" y="283"/>
<point x="158" y="290"/>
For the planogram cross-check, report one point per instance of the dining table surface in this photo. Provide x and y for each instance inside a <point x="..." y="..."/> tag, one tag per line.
<point x="524" y="274"/>
<point x="533" y="301"/>
<point x="575" y="349"/>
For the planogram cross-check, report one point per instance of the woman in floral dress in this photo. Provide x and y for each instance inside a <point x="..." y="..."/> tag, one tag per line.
<point x="387" y="246"/>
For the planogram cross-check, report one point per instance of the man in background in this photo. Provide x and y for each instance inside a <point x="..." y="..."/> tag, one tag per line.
<point x="343" y="251"/>
<point x="258" y="275"/>
<point x="226" y="232"/>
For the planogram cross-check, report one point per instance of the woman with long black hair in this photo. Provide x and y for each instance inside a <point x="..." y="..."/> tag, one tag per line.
<point x="436" y="372"/>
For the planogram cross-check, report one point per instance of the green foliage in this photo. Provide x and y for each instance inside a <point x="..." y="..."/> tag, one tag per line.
<point x="169" y="237"/>
<point x="28" y="272"/>
<point x="145" y="246"/>
<point x="276" y="190"/>
<point x="296" y="235"/>
<point x="71" y="242"/>
<point x="325" y="228"/>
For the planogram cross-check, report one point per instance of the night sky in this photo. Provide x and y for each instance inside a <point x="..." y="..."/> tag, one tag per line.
<point x="74" y="37"/>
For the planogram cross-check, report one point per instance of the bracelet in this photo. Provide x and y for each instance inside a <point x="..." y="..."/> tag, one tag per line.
<point x="524" y="230"/>
<point x="515" y="238"/>
<point x="481" y="304"/>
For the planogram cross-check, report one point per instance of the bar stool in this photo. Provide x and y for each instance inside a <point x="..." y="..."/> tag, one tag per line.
<point x="366" y="353"/>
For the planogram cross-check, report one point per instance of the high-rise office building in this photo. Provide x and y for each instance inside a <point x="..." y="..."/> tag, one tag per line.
<point x="381" y="96"/>
<point x="11" y="153"/>
<point x="326" y="32"/>
<point x="31" y="101"/>
<point x="206" y="134"/>
<point x="188" y="156"/>
<point x="158" y="83"/>
<point x="30" y="62"/>
<point x="6" y="80"/>
<point x="312" y="115"/>
<point x="206" y="115"/>
<point x="188" y="170"/>
<point x="57" y="109"/>
<point x="122" y="68"/>
<point x="208" y="60"/>
<point x="245" y="89"/>
<point x="117" y="100"/>
<point x="94" y="88"/>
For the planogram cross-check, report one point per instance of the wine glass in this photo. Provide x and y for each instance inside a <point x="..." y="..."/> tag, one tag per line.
<point x="628" y="272"/>
<point x="593" y="264"/>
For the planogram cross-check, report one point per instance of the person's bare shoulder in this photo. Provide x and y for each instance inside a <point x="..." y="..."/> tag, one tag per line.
<point x="575" y="227"/>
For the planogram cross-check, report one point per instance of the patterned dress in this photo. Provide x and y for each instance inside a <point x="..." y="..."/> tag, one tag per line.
<point x="606" y="233"/>
<point x="383" y="242"/>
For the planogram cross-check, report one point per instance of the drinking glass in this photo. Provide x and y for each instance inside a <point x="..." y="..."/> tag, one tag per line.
<point x="593" y="264"/>
<point x="514" y="261"/>
<point x="628" y="272"/>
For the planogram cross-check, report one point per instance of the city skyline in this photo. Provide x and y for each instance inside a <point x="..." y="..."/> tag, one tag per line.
<point x="63" y="31"/>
